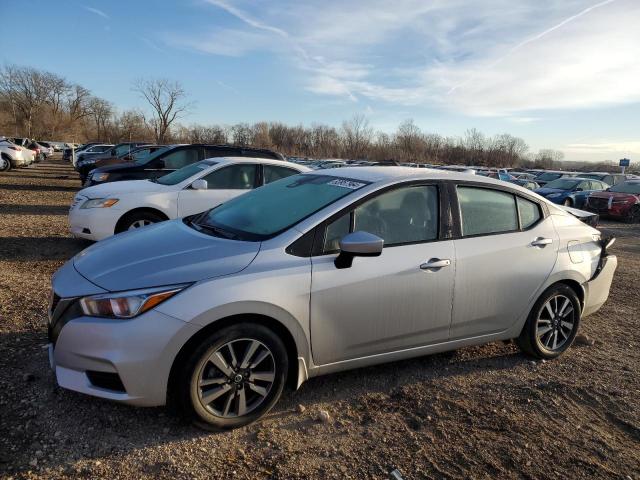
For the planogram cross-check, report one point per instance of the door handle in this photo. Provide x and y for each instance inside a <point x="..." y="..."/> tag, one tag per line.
<point x="435" y="264"/>
<point x="541" y="242"/>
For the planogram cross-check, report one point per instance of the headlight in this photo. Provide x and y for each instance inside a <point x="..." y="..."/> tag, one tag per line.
<point x="127" y="304"/>
<point x="99" y="203"/>
<point x="99" y="177"/>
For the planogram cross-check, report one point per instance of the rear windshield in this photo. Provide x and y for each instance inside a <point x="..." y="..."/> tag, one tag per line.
<point x="548" y="176"/>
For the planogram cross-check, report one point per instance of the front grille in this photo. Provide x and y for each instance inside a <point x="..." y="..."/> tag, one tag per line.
<point x="598" y="203"/>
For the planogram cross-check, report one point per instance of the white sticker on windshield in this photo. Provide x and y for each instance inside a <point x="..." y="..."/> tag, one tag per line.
<point x="338" y="182"/>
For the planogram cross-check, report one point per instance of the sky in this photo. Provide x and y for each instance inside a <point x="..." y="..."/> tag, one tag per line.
<point x="562" y="74"/>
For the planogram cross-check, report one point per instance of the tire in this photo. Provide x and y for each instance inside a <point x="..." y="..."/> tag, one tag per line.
<point x="250" y="343"/>
<point x="567" y="202"/>
<point x="134" y="220"/>
<point x="541" y="346"/>
<point x="5" y="166"/>
<point x="634" y="215"/>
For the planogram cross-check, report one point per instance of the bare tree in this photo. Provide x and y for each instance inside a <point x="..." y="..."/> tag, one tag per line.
<point x="101" y="111"/>
<point x="357" y="135"/>
<point x="167" y="101"/>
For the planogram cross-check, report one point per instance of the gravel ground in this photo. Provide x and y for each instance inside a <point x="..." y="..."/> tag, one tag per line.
<point x="485" y="412"/>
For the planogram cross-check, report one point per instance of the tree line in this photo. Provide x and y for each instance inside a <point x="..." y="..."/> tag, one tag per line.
<point x="43" y="105"/>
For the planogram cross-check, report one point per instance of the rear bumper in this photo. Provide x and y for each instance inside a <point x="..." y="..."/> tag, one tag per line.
<point x="597" y="289"/>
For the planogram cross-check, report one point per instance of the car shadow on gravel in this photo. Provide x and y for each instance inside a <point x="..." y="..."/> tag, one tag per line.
<point x="17" y="209"/>
<point x="34" y="249"/>
<point x="39" y="188"/>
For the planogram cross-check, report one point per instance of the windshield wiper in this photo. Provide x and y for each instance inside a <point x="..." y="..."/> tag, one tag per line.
<point x="217" y="231"/>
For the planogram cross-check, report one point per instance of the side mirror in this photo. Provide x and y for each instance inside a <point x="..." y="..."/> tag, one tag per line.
<point x="199" y="184"/>
<point x="358" y="244"/>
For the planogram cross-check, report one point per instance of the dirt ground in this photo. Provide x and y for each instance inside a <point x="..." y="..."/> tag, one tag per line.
<point x="485" y="412"/>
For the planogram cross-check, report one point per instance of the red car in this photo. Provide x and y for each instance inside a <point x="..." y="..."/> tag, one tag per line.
<point x="620" y="201"/>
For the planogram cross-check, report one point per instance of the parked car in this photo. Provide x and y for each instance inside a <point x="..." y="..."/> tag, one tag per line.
<point x="42" y="152"/>
<point x="106" y="209"/>
<point x="621" y="201"/>
<point x="5" y="165"/>
<point x="87" y="161"/>
<point x="549" y="176"/>
<point x="317" y="273"/>
<point x="572" y="191"/>
<point x="523" y="175"/>
<point x="166" y="161"/>
<point x="90" y="151"/>
<point x="528" y="184"/>
<point x="609" y="178"/>
<point x="137" y="154"/>
<point x="16" y="155"/>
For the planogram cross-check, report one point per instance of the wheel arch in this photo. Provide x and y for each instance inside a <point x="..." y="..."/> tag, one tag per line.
<point x="154" y="210"/>
<point x="273" y="324"/>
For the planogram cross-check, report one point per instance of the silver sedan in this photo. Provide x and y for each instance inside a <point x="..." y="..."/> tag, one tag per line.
<point x="318" y="273"/>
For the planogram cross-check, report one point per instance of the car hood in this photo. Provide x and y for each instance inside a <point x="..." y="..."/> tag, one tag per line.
<point x="166" y="253"/>
<point x="112" y="189"/>
<point x="547" y="191"/>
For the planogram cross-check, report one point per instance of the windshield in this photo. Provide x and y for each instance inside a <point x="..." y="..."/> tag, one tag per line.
<point x="548" y="176"/>
<point x="183" y="173"/>
<point x="627" y="187"/>
<point x="277" y="206"/>
<point x="563" y="183"/>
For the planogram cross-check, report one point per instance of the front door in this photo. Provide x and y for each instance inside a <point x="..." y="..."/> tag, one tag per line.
<point x="386" y="303"/>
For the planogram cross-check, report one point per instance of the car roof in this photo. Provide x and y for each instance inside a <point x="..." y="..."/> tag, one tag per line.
<point x="273" y="161"/>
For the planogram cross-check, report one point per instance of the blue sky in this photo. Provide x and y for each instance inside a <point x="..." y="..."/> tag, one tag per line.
<point x="562" y="74"/>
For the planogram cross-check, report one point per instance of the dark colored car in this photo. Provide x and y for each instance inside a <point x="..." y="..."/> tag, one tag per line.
<point x="170" y="159"/>
<point x="608" y="178"/>
<point x="137" y="154"/>
<point x="87" y="161"/>
<point x="551" y="175"/>
<point x="620" y="201"/>
<point x="571" y="191"/>
<point x="66" y="152"/>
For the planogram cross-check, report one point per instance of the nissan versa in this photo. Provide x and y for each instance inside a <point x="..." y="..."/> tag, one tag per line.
<point x="316" y="273"/>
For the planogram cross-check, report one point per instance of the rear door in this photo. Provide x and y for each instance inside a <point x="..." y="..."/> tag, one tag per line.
<point x="223" y="184"/>
<point x="505" y="250"/>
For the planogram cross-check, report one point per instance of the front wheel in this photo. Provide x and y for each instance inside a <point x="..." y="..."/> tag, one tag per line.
<point x="634" y="214"/>
<point x="567" y="202"/>
<point x="135" y="220"/>
<point x="552" y="323"/>
<point x="234" y="377"/>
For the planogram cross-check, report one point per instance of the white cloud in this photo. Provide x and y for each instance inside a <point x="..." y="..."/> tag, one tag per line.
<point x="490" y="58"/>
<point x="95" y="11"/>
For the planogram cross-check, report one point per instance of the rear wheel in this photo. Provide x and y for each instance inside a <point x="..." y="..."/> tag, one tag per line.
<point x="5" y="164"/>
<point x="552" y="323"/>
<point x="233" y="377"/>
<point x="134" y="220"/>
<point x="567" y="202"/>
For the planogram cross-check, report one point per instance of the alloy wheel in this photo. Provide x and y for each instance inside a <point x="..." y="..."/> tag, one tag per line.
<point x="556" y="322"/>
<point x="236" y="378"/>
<point x="139" y="224"/>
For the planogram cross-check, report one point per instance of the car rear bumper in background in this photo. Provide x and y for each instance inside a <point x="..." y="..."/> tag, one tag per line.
<point x="597" y="289"/>
<point x="127" y="361"/>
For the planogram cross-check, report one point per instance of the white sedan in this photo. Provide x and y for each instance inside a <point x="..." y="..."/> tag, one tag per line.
<point x="103" y="210"/>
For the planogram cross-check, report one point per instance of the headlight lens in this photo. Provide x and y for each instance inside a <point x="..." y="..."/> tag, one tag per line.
<point x="127" y="304"/>
<point x="99" y="203"/>
<point x="99" y="177"/>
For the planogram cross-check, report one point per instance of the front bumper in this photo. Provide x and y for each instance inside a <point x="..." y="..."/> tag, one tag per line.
<point x="139" y="352"/>
<point x="92" y="223"/>
<point x="597" y="289"/>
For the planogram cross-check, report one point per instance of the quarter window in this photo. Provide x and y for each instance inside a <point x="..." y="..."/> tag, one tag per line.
<point x="485" y="211"/>
<point x="529" y="212"/>
<point x="233" y="177"/>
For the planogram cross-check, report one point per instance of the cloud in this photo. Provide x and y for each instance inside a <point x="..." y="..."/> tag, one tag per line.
<point x="624" y="147"/>
<point x="95" y="11"/>
<point x="490" y="58"/>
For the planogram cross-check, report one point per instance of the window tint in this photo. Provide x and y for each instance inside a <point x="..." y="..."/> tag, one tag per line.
<point x="212" y="152"/>
<point x="529" y="212"/>
<point x="180" y="158"/>
<point x="274" y="172"/>
<point x="122" y="149"/>
<point x="486" y="211"/>
<point x="584" y="186"/>
<point x="232" y="177"/>
<point x="609" y="179"/>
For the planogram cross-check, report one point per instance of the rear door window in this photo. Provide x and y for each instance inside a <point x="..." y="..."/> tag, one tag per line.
<point x="232" y="177"/>
<point x="485" y="211"/>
